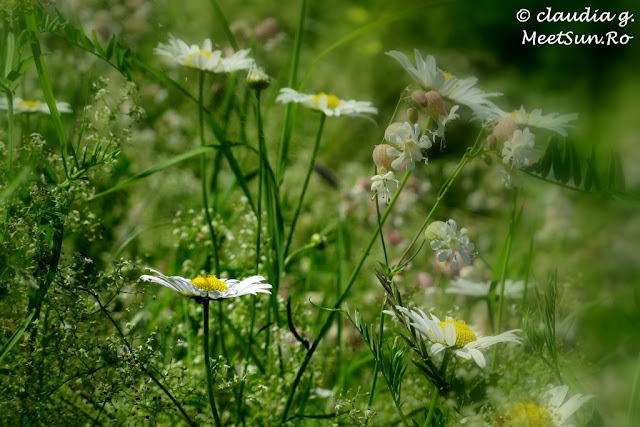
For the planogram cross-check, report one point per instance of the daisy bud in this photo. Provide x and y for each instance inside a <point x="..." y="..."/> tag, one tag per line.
<point x="433" y="230"/>
<point x="504" y="130"/>
<point x="435" y="105"/>
<point x="381" y="158"/>
<point x="420" y="98"/>
<point x="257" y="79"/>
<point x="412" y="115"/>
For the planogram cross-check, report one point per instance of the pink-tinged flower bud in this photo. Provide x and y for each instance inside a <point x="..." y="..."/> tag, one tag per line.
<point x="433" y="230"/>
<point x="412" y="115"/>
<point x="267" y="29"/>
<point x="435" y="105"/>
<point x="391" y="131"/>
<point x="381" y="158"/>
<point x="504" y="130"/>
<point x="420" y="98"/>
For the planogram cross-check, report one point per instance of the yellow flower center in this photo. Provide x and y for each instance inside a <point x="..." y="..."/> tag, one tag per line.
<point x="529" y="415"/>
<point x="332" y="100"/>
<point x="206" y="53"/>
<point x="464" y="334"/>
<point x="447" y="75"/>
<point x="209" y="283"/>
<point x="29" y="104"/>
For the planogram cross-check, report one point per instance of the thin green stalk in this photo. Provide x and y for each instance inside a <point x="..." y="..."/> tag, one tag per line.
<point x="634" y="395"/>
<point x="47" y="90"/>
<point x="376" y="367"/>
<point x="207" y="364"/>
<point x="205" y="202"/>
<point x="262" y="152"/>
<point x="9" y="95"/>
<point x="436" y="391"/>
<point x="224" y="24"/>
<point x="503" y="275"/>
<point x="327" y="324"/>
<point x="312" y="162"/>
<point x="288" y="116"/>
<point x="466" y="158"/>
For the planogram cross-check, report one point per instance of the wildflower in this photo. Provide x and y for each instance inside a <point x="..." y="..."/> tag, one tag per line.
<point x="461" y="286"/>
<point x="410" y="142"/>
<point x="511" y="178"/>
<point x="443" y="122"/>
<point x="257" y="78"/>
<point x="329" y="104"/>
<point x="381" y="159"/>
<point x="553" y="121"/>
<point x="555" y="413"/>
<point x="502" y="131"/>
<point x="455" y="335"/>
<point x="380" y="185"/>
<point x="445" y="238"/>
<point x="209" y="287"/>
<point x="430" y="77"/>
<point x="204" y="57"/>
<point x="25" y="106"/>
<point x="518" y="151"/>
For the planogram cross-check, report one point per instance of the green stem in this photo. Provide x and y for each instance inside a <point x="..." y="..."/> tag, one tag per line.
<point x="207" y="364"/>
<point x="466" y="158"/>
<point x="376" y="368"/>
<point x="224" y="24"/>
<point x="262" y="153"/>
<point x="288" y="117"/>
<point x="312" y="162"/>
<point x="47" y="90"/>
<point x="436" y="391"/>
<point x="327" y="324"/>
<point x="9" y="133"/>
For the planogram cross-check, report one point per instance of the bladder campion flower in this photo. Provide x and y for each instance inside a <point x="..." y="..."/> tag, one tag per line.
<point x="519" y="150"/>
<point x="554" y="414"/>
<point x="430" y="77"/>
<point x="455" y="335"/>
<point x="24" y="106"/>
<point x="204" y="57"/>
<point x="408" y="142"/>
<point x="447" y="241"/>
<point x="329" y="104"/>
<point x="380" y="185"/>
<point x="210" y="287"/>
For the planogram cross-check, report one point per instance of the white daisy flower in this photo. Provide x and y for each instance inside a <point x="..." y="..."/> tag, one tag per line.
<point x="556" y="413"/>
<point x="204" y="57"/>
<point x="209" y="287"/>
<point x="455" y="335"/>
<point x="449" y="241"/>
<point x="409" y="141"/>
<point x="460" y="286"/>
<point x="329" y="104"/>
<point x="519" y="150"/>
<point x="430" y="77"/>
<point x="553" y="121"/>
<point x="380" y="185"/>
<point x="24" y="106"/>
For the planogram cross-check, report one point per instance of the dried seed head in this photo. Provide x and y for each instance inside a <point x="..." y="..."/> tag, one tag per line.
<point x="420" y="98"/>
<point x="504" y="130"/>
<point x="435" y="105"/>
<point x="433" y="230"/>
<point x="381" y="158"/>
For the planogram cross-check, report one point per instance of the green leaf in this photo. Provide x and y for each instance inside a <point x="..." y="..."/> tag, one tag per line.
<point x="157" y="168"/>
<point x="575" y="166"/>
<point x="16" y="336"/>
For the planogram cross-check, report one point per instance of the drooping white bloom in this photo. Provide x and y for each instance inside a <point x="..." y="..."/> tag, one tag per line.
<point x="553" y="121"/>
<point x="204" y="57"/>
<point x="439" y="132"/>
<point x="450" y="242"/>
<point x="329" y="104"/>
<point x="455" y="335"/>
<point x="461" y="286"/>
<point x="555" y="413"/>
<point x="409" y="143"/>
<point x="380" y="185"/>
<point x="430" y="77"/>
<point x="25" y="106"/>
<point x="209" y="287"/>
<point x="519" y="150"/>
